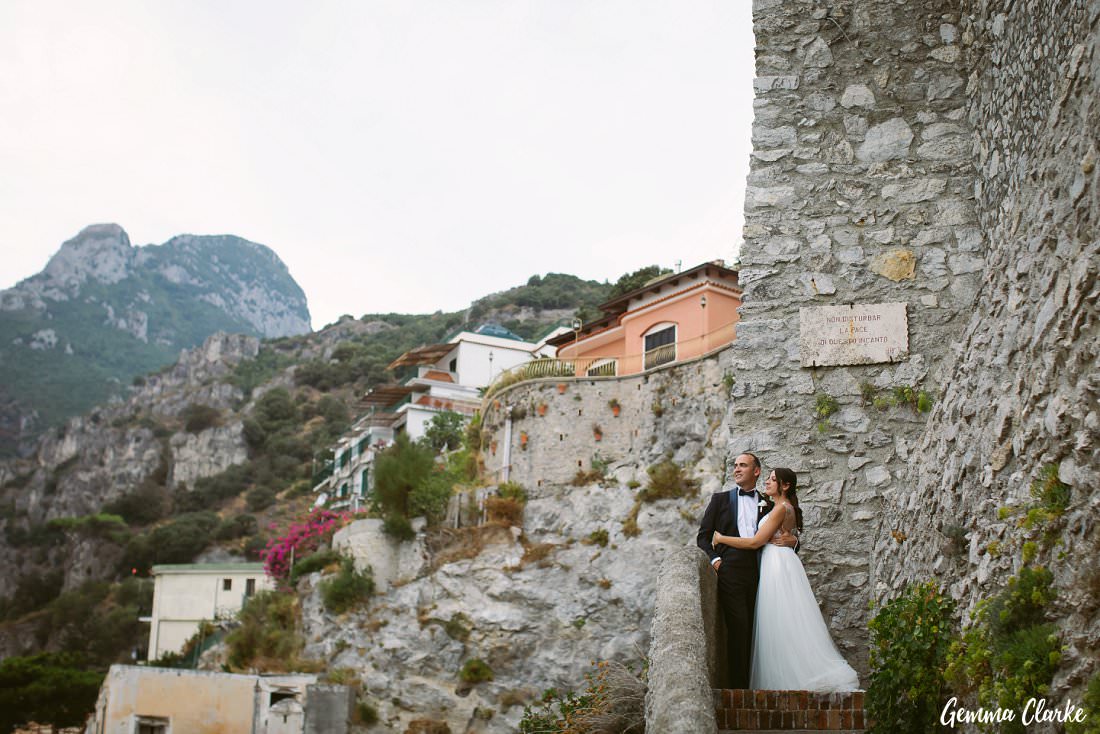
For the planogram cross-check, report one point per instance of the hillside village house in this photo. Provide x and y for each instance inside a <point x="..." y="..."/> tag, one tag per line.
<point x="186" y="594"/>
<point x="670" y="319"/>
<point x="448" y="377"/>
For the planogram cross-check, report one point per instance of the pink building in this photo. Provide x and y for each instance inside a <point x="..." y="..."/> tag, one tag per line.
<point x="672" y="318"/>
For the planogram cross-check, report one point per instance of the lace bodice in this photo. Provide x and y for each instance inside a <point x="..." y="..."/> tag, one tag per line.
<point x="788" y="524"/>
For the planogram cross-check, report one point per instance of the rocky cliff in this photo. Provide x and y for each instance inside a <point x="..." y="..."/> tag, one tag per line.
<point x="103" y="311"/>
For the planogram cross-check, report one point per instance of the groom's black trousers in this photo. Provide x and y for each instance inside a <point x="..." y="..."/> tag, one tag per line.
<point x="737" y="598"/>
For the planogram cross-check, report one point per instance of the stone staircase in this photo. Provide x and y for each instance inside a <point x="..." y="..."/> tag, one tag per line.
<point x="789" y="711"/>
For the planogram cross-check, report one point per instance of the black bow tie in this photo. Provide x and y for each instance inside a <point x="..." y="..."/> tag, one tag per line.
<point x="746" y="492"/>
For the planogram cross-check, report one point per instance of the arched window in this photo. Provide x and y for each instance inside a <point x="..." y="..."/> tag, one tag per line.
<point x="659" y="345"/>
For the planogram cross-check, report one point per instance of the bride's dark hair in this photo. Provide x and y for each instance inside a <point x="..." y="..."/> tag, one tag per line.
<point x="787" y="477"/>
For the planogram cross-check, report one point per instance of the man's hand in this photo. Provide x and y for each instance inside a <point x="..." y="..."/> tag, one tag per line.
<point x="787" y="540"/>
<point x="716" y="564"/>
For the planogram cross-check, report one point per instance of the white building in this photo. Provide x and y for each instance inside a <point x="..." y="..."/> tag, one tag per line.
<point x="184" y="595"/>
<point x="346" y="481"/>
<point x="449" y="378"/>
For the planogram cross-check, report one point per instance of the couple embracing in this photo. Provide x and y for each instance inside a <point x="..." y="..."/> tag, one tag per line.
<point x="776" y="638"/>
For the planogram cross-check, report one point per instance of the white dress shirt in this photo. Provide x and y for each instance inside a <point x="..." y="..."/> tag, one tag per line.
<point x="748" y="514"/>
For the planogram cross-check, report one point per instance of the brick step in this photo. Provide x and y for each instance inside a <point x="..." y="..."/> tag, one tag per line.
<point x="790" y="711"/>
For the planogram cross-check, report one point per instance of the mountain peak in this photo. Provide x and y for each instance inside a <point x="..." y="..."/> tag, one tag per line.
<point x="101" y="252"/>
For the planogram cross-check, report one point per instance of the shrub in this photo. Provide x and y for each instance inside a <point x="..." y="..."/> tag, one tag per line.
<point x="597" y="537"/>
<point x="259" y="498"/>
<point x="1009" y="653"/>
<point x="366" y="713"/>
<point x="300" y="539"/>
<point x="613" y="701"/>
<point x="1090" y="704"/>
<point x="143" y="506"/>
<point x="398" y="527"/>
<point x="198" y="417"/>
<point x="512" y="491"/>
<point x="910" y="637"/>
<point x="475" y="670"/>
<point x="347" y="588"/>
<point x="667" y="480"/>
<point x="458" y="627"/>
<point x="314" y="562"/>
<point x="177" y="542"/>
<point x="506" y="511"/>
<point x="237" y="526"/>
<point x="267" y="637"/>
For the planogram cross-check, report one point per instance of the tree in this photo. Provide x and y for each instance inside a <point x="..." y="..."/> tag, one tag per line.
<point x="398" y="471"/>
<point x="444" y="433"/>
<point x="635" y="280"/>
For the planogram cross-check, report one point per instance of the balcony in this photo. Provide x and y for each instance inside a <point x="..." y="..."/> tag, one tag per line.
<point x="659" y="356"/>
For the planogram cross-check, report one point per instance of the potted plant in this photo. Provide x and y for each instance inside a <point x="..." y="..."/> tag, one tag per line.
<point x="523" y="440"/>
<point x="561" y="388"/>
<point x="615" y="407"/>
<point x="542" y="409"/>
<point x="597" y="432"/>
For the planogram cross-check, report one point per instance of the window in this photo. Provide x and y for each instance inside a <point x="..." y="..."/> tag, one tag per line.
<point x="249" y="587"/>
<point x="227" y="584"/>
<point x="453" y="366"/>
<point x="150" y="725"/>
<point x="365" y="484"/>
<point x="660" y="346"/>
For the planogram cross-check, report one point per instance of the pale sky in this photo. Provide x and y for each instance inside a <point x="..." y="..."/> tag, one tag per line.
<point x="405" y="156"/>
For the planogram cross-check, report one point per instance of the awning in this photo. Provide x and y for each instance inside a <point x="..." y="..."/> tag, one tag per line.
<point x="384" y="395"/>
<point x="429" y="354"/>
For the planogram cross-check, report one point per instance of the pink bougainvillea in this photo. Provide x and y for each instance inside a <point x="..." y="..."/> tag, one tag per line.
<point x="300" y="539"/>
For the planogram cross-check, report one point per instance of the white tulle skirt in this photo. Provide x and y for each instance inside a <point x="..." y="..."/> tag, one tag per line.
<point x="791" y="646"/>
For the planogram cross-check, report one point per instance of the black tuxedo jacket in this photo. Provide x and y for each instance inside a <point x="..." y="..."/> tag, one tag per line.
<point x="721" y="517"/>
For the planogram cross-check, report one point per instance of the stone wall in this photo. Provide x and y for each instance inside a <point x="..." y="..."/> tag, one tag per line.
<point x="1022" y="384"/>
<point x="672" y="411"/>
<point x="860" y="191"/>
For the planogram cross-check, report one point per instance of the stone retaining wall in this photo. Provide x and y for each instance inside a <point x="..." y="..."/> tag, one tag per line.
<point x="672" y="411"/>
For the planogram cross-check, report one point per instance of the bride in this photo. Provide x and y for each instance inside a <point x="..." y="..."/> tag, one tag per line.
<point x="791" y="646"/>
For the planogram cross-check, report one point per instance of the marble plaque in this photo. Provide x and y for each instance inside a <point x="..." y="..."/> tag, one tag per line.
<point x="862" y="333"/>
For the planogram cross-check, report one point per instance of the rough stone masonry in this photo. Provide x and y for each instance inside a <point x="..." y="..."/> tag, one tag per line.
<point x="940" y="154"/>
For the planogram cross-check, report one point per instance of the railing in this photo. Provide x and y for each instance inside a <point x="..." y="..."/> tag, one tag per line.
<point x="659" y="356"/>
<point x="552" y="368"/>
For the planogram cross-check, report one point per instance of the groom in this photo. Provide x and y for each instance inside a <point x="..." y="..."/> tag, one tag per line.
<point x="737" y="513"/>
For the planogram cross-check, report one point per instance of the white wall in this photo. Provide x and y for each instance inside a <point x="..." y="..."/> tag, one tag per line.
<point x="184" y="596"/>
<point x="473" y="360"/>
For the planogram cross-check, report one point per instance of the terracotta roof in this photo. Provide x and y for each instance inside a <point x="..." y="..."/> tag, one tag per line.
<point x="438" y="376"/>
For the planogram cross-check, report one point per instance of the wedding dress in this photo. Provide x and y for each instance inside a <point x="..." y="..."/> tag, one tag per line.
<point x="791" y="646"/>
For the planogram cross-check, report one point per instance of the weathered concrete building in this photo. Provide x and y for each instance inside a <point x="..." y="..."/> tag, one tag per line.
<point x="144" y="700"/>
